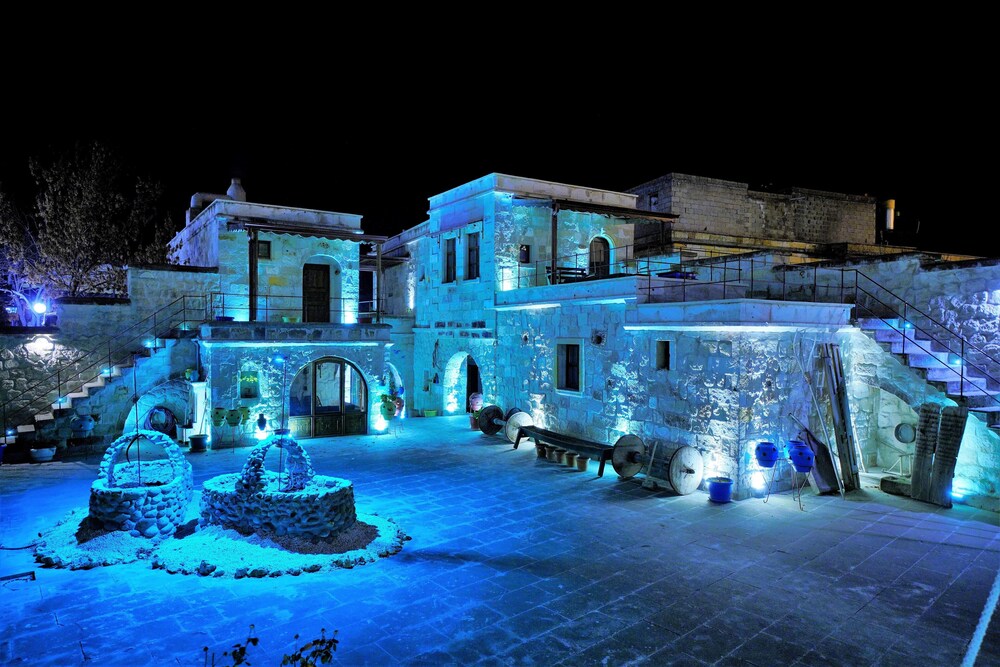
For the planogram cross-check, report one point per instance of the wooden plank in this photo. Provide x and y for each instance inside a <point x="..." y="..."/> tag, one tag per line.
<point x="841" y="419"/>
<point x="823" y="475"/>
<point x="923" y="453"/>
<point x="953" y="420"/>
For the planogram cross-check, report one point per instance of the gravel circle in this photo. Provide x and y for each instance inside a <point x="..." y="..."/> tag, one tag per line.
<point x="216" y="551"/>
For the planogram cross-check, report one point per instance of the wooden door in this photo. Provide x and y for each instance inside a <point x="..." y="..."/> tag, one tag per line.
<point x="316" y="293"/>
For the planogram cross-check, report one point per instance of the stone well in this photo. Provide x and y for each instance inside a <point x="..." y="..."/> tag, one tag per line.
<point x="293" y="501"/>
<point x="147" y="499"/>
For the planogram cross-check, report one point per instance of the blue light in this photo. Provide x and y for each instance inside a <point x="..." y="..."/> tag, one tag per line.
<point x="39" y="307"/>
<point x="11" y="431"/>
<point x="277" y="359"/>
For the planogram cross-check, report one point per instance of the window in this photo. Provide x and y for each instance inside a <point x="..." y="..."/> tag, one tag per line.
<point x="654" y="199"/>
<point x="568" y="366"/>
<point x="263" y="250"/>
<point x="249" y="384"/>
<point x="663" y="355"/>
<point x="472" y="256"/>
<point x="524" y="254"/>
<point x="449" y="260"/>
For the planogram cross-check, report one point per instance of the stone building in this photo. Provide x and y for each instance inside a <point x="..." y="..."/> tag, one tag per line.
<point x="689" y="311"/>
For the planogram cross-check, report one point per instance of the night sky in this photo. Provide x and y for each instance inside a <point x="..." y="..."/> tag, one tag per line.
<point x="384" y="157"/>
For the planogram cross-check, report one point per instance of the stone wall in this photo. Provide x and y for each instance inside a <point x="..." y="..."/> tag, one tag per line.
<point x="725" y="390"/>
<point x="731" y="208"/>
<point x="225" y="360"/>
<point x="279" y="284"/>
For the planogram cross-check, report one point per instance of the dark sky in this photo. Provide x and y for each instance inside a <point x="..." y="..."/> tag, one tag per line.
<point x="382" y="157"/>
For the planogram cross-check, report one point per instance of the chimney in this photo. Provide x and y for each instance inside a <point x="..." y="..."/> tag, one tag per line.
<point x="890" y="214"/>
<point x="236" y="191"/>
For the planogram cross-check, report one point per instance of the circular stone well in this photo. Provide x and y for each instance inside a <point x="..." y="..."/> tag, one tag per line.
<point x="146" y="500"/>
<point x="294" y="501"/>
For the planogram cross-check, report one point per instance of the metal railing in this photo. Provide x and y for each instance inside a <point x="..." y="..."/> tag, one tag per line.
<point x="72" y="376"/>
<point x="582" y="266"/>
<point x="751" y="275"/>
<point x="224" y="306"/>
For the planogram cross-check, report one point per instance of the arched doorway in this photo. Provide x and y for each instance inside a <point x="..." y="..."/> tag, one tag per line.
<point x="321" y="300"/>
<point x="327" y="397"/>
<point x="600" y="257"/>
<point x="461" y="380"/>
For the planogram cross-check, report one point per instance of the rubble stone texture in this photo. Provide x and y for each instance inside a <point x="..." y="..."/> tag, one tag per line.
<point x="145" y="499"/>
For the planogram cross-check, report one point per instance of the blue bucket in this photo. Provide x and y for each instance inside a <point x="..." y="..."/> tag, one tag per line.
<point x="720" y="489"/>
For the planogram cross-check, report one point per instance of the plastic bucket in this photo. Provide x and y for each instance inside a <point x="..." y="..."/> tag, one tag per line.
<point x="720" y="489"/>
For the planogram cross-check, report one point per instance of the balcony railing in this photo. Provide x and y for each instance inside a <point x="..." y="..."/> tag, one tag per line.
<point x="292" y="309"/>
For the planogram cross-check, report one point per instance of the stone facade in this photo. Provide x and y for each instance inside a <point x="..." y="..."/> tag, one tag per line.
<point x="731" y="208"/>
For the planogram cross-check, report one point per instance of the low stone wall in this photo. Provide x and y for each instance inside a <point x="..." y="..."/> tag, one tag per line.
<point x="296" y="502"/>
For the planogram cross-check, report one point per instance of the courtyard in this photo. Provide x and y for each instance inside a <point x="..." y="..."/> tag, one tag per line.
<point x="515" y="560"/>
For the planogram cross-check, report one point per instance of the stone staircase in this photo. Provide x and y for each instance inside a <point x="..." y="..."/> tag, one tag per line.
<point x="944" y="368"/>
<point x="112" y="386"/>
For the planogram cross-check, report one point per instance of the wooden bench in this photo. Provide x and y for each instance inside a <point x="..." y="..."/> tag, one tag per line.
<point x="565" y="274"/>
<point x="596" y="451"/>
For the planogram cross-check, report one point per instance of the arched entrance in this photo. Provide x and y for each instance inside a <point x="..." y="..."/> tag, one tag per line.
<point x="321" y="300"/>
<point x="327" y="397"/>
<point x="600" y="257"/>
<point x="461" y="380"/>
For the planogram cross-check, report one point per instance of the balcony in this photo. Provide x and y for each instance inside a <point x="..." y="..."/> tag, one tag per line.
<point x="291" y="319"/>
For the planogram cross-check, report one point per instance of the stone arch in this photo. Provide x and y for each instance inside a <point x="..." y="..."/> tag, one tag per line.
<point x="337" y="309"/>
<point x="328" y="395"/>
<point x="457" y="379"/>
<point x="172" y="395"/>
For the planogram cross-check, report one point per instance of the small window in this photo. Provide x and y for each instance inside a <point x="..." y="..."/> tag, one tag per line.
<point x="472" y="256"/>
<point x="568" y="366"/>
<point x="249" y="384"/>
<point x="263" y="250"/>
<point x="449" y="260"/>
<point x="524" y="254"/>
<point x="654" y="199"/>
<point x="663" y="355"/>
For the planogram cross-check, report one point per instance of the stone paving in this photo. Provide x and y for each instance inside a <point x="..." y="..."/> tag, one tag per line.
<point x="518" y="561"/>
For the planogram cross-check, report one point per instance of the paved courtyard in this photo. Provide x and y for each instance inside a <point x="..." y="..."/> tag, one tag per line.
<point x="515" y="560"/>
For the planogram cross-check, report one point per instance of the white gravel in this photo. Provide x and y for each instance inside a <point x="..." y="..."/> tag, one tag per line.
<point x="216" y="551"/>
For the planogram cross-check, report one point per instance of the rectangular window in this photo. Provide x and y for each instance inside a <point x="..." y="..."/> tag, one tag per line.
<point x="263" y="250"/>
<point x="568" y="366"/>
<point x="654" y="199"/>
<point x="449" y="260"/>
<point x="472" y="256"/>
<point x="663" y="355"/>
<point x="524" y="254"/>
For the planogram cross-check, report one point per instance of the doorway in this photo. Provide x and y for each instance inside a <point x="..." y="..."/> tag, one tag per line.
<point x="316" y="293"/>
<point x="328" y="397"/>
<point x="472" y="383"/>
<point x="600" y="257"/>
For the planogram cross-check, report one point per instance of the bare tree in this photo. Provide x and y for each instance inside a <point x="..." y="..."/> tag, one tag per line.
<point x="91" y="219"/>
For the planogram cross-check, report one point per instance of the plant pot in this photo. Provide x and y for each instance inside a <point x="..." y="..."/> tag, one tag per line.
<point x="233" y="417"/>
<point x="540" y="451"/>
<point x="430" y="413"/>
<point x="218" y="416"/>
<point x="720" y="489"/>
<point x="244" y="414"/>
<point x="81" y="426"/>
<point x="199" y="442"/>
<point x="191" y="375"/>
<point x="42" y="454"/>
<point x="766" y="453"/>
<point x="801" y="456"/>
<point x="581" y="463"/>
<point x="570" y="458"/>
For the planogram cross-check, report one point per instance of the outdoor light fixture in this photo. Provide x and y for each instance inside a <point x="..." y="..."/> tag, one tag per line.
<point x="39" y="307"/>
<point x="757" y="481"/>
